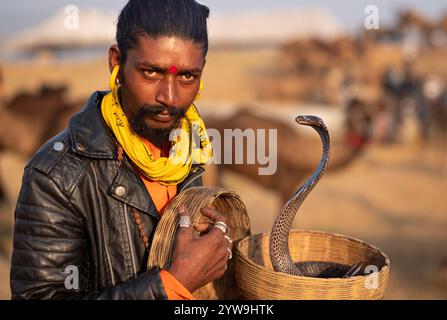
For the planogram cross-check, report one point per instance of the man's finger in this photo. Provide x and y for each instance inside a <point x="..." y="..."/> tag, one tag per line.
<point x="218" y="219"/>
<point x="185" y="223"/>
<point x="213" y="214"/>
<point x="230" y="242"/>
<point x="203" y="227"/>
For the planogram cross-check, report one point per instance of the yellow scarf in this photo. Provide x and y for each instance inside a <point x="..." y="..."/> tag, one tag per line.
<point x="190" y="145"/>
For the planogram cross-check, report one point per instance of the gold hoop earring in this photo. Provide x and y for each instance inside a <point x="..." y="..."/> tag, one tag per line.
<point x="199" y="94"/>
<point x="113" y="77"/>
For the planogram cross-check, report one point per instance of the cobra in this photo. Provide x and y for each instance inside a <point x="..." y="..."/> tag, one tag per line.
<point x="279" y="235"/>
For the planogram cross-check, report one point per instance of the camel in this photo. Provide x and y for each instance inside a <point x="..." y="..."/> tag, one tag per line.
<point x="28" y="120"/>
<point x="411" y="19"/>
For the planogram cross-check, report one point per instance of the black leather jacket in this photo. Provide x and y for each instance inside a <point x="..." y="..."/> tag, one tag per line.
<point x="73" y="218"/>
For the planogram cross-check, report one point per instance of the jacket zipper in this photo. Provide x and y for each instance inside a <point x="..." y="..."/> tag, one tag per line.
<point x="132" y="251"/>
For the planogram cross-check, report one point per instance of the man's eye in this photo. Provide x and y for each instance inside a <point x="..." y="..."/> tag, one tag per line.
<point x="188" y="77"/>
<point x="152" y="74"/>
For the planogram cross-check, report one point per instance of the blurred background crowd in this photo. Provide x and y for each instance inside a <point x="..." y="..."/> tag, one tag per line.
<point x="381" y="91"/>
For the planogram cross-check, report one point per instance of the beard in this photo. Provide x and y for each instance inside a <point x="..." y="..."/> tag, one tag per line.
<point x="158" y="136"/>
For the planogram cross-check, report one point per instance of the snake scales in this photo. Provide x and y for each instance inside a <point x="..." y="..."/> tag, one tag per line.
<point x="279" y="236"/>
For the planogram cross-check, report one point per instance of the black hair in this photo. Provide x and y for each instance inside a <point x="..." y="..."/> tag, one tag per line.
<point x="185" y="19"/>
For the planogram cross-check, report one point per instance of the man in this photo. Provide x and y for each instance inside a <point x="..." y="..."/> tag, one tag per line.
<point x="92" y="196"/>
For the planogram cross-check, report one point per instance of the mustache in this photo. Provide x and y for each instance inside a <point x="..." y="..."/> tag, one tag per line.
<point x="152" y="110"/>
<point x="155" y="135"/>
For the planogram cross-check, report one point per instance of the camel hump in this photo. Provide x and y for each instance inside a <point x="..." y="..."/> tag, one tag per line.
<point x="53" y="159"/>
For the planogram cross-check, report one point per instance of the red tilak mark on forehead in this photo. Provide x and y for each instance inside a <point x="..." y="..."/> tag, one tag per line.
<point x="172" y="69"/>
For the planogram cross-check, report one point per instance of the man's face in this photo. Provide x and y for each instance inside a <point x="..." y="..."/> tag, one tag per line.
<point x="154" y="97"/>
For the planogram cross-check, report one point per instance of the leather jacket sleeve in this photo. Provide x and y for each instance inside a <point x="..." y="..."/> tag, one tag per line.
<point x="49" y="236"/>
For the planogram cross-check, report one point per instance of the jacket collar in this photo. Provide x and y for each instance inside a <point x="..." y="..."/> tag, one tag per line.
<point x="89" y="134"/>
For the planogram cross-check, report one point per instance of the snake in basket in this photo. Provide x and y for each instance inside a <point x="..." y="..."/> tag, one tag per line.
<point x="279" y="235"/>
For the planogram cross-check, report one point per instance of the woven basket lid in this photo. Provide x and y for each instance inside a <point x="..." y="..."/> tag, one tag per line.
<point x="227" y="203"/>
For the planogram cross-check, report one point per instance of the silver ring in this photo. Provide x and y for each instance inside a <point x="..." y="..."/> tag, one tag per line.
<point x="230" y="254"/>
<point x="185" y="222"/>
<point x="228" y="238"/>
<point x="221" y="226"/>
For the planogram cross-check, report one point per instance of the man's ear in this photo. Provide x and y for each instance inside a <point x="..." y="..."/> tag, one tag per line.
<point x="114" y="57"/>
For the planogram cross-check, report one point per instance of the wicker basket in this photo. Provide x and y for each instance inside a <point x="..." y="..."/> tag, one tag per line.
<point x="228" y="204"/>
<point x="257" y="280"/>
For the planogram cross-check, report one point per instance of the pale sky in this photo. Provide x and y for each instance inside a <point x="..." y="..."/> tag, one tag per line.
<point x="16" y="15"/>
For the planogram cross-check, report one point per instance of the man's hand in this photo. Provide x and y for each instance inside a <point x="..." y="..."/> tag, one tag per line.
<point x="198" y="260"/>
